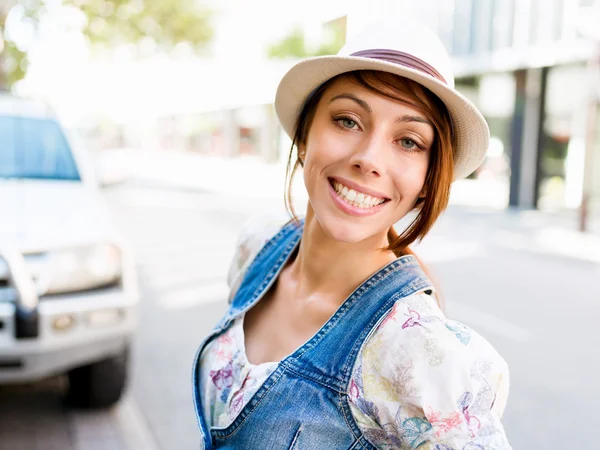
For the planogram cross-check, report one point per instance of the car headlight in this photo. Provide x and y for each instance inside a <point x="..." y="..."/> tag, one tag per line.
<point x="77" y="269"/>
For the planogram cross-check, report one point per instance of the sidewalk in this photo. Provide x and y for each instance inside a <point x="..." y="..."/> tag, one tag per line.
<point x="248" y="177"/>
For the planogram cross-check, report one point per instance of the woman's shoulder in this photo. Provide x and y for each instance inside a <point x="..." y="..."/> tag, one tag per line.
<point x="254" y="233"/>
<point x="420" y="332"/>
<point x="420" y="369"/>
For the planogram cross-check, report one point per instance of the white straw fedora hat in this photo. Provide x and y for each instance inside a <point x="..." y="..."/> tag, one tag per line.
<point x="411" y="51"/>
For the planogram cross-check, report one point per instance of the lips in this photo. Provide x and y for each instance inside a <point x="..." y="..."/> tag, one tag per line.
<point x="352" y="208"/>
<point x="357" y="188"/>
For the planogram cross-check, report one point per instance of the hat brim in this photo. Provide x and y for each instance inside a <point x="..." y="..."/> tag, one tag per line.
<point x="470" y="128"/>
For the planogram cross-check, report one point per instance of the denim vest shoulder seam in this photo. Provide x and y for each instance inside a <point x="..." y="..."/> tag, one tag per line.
<point x="408" y="290"/>
<point x="270" y="243"/>
<point x="359" y="444"/>
<point x="350" y="422"/>
<point x="359" y="344"/>
<point x="365" y="444"/>
<point x="351" y="360"/>
<point x="235" y="310"/>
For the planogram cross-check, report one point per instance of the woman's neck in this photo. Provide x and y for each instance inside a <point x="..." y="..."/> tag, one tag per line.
<point x="333" y="269"/>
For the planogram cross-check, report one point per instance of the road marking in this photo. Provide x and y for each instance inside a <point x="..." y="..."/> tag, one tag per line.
<point x="485" y="321"/>
<point x="198" y="295"/>
<point x="133" y="426"/>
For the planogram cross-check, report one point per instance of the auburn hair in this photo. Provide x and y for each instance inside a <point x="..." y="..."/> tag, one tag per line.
<point x="440" y="172"/>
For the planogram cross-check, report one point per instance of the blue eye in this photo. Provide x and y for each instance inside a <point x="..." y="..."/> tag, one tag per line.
<point x="346" y="122"/>
<point x="408" y="144"/>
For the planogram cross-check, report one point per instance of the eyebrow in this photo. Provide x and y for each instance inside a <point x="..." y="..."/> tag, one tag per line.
<point x="364" y="105"/>
<point x="360" y="102"/>
<point x="409" y="118"/>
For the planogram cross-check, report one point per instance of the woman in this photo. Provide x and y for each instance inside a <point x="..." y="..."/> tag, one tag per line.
<point x="334" y="338"/>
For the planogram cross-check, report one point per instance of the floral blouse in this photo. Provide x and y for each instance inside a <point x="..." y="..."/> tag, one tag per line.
<point x="421" y="380"/>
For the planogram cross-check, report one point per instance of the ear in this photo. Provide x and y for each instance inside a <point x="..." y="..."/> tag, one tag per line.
<point x="423" y="192"/>
<point x="301" y="152"/>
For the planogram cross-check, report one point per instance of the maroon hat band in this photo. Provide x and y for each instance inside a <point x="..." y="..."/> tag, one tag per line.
<point x="401" y="58"/>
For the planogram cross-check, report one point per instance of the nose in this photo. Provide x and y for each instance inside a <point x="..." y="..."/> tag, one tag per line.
<point x="367" y="157"/>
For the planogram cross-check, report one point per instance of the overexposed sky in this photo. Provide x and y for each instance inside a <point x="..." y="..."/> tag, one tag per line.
<point x="65" y="73"/>
<point x="245" y="28"/>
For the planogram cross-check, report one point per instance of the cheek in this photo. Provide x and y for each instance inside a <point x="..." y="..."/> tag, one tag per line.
<point x="325" y="144"/>
<point x="321" y="154"/>
<point x="410" y="180"/>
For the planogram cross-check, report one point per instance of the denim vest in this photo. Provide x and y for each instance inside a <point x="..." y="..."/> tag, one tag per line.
<point x="304" y="403"/>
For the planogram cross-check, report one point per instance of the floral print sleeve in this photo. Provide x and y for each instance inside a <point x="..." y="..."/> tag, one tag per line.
<point x="423" y="381"/>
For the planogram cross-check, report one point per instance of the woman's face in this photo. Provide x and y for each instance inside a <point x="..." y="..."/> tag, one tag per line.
<point x="366" y="159"/>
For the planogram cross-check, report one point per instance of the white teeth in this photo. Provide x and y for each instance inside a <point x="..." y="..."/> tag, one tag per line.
<point x="359" y="199"/>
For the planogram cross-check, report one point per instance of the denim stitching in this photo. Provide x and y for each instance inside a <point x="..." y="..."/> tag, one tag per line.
<point x="270" y="243"/>
<point x="373" y="281"/>
<point x="362" y="339"/>
<point x="409" y="290"/>
<point x="259" y="291"/>
<point x="365" y="444"/>
<point x="357" y="346"/>
<point x="357" y="443"/>
<point x="351" y="424"/>
<point x="306" y="376"/>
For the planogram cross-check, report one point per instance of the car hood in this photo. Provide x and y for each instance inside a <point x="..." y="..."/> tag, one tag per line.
<point x="42" y="215"/>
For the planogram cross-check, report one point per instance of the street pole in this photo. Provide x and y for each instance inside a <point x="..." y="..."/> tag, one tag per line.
<point x="590" y="136"/>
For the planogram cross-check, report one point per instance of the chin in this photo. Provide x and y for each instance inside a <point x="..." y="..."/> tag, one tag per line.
<point x="346" y="231"/>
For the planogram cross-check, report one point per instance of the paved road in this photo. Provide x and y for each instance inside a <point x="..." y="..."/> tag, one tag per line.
<point x="537" y="304"/>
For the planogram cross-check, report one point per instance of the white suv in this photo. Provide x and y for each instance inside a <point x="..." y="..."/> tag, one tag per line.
<point x="68" y="287"/>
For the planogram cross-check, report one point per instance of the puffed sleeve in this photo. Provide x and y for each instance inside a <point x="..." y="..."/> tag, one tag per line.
<point x="423" y="381"/>
<point x="253" y="235"/>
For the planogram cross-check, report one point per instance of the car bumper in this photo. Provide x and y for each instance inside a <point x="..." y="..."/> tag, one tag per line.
<point x="74" y="330"/>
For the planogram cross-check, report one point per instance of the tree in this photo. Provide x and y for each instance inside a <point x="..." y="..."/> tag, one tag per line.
<point x="294" y="44"/>
<point x="110" y="23"/>
<point x="10" y="56"/>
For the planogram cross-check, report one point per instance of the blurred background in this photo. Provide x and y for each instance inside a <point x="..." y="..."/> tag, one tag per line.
<point x="136" y="137"/>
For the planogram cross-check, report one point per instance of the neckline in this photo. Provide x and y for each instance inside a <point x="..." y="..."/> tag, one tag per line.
<point x="240" y="340"/>
<point x="326" y="325"/>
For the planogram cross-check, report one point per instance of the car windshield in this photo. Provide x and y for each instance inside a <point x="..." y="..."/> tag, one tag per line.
<point x="35" y="148"/>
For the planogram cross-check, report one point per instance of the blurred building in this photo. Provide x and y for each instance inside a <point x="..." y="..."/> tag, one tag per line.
<point x="526" y="64"/>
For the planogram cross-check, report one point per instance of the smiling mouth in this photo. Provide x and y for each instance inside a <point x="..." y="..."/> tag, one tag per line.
<point x="356" y="198"/>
